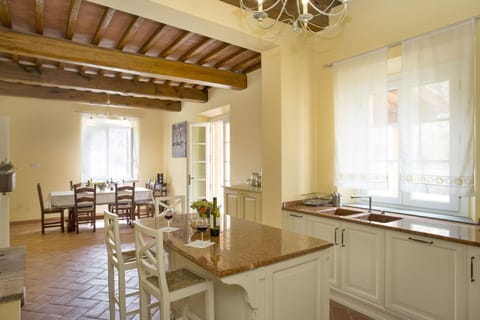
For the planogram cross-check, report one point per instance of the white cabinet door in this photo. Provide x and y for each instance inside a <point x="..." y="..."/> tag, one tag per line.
<point x="328" y="229"/>
<point x="473" y="260"/>
<point x="232" y="203"/>
<point x="299" y="289"/>
<point x="243" y="204"/>
<point x="294" y="221"/>
<point x="251" y="206"/>
<point x="363" y="261"/>
<point x="425" y="277"/>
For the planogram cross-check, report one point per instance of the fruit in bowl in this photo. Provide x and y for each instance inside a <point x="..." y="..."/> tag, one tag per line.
<point x="202" y="206"/>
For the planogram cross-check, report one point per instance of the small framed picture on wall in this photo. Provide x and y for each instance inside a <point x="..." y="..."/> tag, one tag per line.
<point x="179" y="140"/>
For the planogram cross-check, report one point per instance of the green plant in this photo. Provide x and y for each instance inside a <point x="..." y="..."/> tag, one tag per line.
<point x="202" y="206"/>
<point x="6" y="166"/>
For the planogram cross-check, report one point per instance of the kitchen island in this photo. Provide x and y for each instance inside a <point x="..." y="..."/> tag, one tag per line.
<point x="260" y="272"/>
<point x="12" y="273"/>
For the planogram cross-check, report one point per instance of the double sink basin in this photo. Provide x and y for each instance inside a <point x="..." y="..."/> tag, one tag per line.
<point x="363" y="216"/>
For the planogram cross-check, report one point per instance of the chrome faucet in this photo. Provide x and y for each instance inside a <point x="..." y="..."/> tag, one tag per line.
<point x="369" y="201"/>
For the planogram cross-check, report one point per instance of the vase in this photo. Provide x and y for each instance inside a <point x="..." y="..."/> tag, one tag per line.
<point x="7" y="181"/>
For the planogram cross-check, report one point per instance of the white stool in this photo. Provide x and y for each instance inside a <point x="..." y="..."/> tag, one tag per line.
<point x="120" y="260"/>
<point x="168" y="286"/>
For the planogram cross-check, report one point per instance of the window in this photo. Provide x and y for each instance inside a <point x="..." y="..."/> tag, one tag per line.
<point x="109" y="149"/>
<point x="412" y="147"/>
<point x="435" y="132"/>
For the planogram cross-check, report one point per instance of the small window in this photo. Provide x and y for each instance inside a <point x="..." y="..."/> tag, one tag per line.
<point x="109" y="149"/>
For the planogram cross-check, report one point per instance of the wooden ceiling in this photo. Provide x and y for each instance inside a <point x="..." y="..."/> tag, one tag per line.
<point x="80" y="51"/>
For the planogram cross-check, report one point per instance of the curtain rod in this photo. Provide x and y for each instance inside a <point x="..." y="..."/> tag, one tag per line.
<point x="394" y="44"/>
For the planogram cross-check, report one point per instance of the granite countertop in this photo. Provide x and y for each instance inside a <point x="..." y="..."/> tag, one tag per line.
<point x="241" y="246"/>
<point x="244" y="187"/>
<point x="440" y="229"/>
<point x="12" y="273"/>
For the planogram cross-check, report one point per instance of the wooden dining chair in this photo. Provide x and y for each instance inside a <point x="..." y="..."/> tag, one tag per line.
<point x="166" y="286"/>
<point x="124" y="205"/>
<point x="148" y="204"/>
<point x="73" y="185"/>
<point x="85" y="199"/>
<point x="176" y="203"/>
<point x="119" y="261"/>
<point x="44" y="211"/>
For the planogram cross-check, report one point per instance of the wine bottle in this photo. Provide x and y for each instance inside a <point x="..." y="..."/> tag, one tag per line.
<point x="214" y="213"/>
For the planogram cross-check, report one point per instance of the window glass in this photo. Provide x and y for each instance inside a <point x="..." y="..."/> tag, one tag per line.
<point x="108" y="149"/>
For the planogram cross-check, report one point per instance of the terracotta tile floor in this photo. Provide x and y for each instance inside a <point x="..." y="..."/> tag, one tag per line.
<point x="66" y="274"/>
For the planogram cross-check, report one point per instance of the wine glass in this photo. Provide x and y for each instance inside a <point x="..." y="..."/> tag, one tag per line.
<point x="169" y="215"/>
<point x="201" y="224"/>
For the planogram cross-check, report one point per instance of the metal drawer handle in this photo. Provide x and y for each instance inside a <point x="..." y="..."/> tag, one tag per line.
<point x="294" y="215"/>
<point x="419" y="240"/>
<point x="472" y="279"/>
<point x="343" y="243"/>
<point x="335" y="237"/>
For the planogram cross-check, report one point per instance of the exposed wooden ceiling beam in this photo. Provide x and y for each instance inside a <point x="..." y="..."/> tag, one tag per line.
<point x="68" y="80"/>
<point x="202" y="45"/>
<point x="132" y="29"/>
<point x="69" y="52"/>
<point x="39" y="16"/>
<point x="72" y="18"/>
<point x="184" y="36"/>
<point x="20" y="90"/>
<point x="230" y="57"/>
<point x="153" y="39"/>
<point x="102" y="27"/>
<point x="246" y="63"/>
<point x="214" y="53"/>
<point x="5" y="18"/>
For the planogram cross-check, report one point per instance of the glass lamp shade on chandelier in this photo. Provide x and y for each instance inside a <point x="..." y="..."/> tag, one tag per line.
<point x="303" y="15"/>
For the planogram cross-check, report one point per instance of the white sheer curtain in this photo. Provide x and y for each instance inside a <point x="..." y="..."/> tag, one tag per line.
<point x="436" y="112"/>
<point x="109" y="148"/>
<point x="361" y="121"/>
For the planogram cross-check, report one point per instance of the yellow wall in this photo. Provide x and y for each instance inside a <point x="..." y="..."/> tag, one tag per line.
<point x="283" y="123"/>
<point x="374" y="24"/>
<point x="10" y="310"/>
<point x="245" y="132"/>
<point x="45" y="147"/>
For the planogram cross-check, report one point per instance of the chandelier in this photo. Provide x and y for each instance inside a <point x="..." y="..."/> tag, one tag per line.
<point x="303" y="15"/>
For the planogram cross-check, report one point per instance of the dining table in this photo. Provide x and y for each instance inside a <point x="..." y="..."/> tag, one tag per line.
<point x="65" y="199"/>
<point x="259" y="271"/>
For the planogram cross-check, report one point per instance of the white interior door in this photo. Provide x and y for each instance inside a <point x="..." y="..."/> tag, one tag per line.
<point x="199" y="162"/>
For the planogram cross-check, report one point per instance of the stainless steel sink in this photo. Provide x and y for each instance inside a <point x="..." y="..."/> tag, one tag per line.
<point x="375" y="217"/>
<point x="346" y="211"/>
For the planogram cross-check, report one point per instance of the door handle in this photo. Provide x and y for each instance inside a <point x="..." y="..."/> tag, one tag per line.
<point x="295" y="215"/>
<point x="335" y="237"/>
<point x="472" y="279"/>
<point x="343" y="232"/>
<point x="419" y="240"/>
